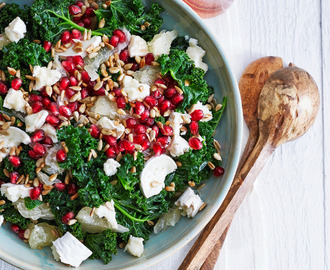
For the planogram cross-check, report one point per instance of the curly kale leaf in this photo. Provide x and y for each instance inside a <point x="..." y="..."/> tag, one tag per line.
<point x="20" y="56"/>
<point x="30" y="204"/>
<point x="47" y="25"/>
<point x="8" y="13"/>
<point x="61" y="203"/>
<point x="180" y="43"/>
<point x="131" y="15"/>
<point x="13" y="216"/>
<point x="28" y="165"/>
<point x="182" y="69"/>
<point x="207" y="128"/>
<point x="103" y="245"/>
<point x="80" y="142"/>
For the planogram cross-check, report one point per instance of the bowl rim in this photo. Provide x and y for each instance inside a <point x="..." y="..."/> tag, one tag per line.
<point x="237" y="146"/>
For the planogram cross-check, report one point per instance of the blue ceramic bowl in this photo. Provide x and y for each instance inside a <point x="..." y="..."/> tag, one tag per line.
<point x="229" y="133"/>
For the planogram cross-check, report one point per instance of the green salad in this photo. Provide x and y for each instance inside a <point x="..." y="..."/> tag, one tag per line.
<point x="106" y="126"/>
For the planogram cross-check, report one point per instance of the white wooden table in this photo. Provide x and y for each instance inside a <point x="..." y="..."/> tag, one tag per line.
<point x="284" y="223"/>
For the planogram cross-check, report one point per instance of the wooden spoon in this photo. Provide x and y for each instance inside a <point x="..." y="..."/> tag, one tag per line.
<point x="250" y="85"/>
<point x="287" y="107"/>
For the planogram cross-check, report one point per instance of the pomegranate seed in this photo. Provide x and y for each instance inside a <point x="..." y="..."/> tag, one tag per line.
<point x="138" y="139"/>
<point x="48" y="141"/>
<point x="53" y="108"/>
<point x="218" y="171"/>
<point x="151" y="101"/>
<point x="114" y="40"/>
<point x="164" y="141"/>
<point x="158" y="149"/>
<point x="170" y="92"/>
<point x="110" y="153"/>
<point x="128" y="146"/>
<point x="46" y="102"/>
<point x="15" y="228"/>
<point x="87" y="22"/>
<point x="21" y="234"/>
<point x="84" y="76"/>
<point x="165" y="105"/>
<point x="64" y="83"/>
<point x="123" y="56"/>
<point x="156" y="129"/>
<point x="80" y="3"/>
<point x="167" y="131"/>
<point x="197" y="115"/>
<point x="60" y="155"/>
<point x="73" y="106"/>
<point x="84" y="93"/>
<point x="120" y="146"/>
<point x="74" y="9"/>
<point x="149" y="58"/>
<point x="110" y="140"/>
<point x="72" y="189"/>
<point x="176" y="100"/>
<point x="76" y="34"/>
<point x="145" y="115"/>
<point x="38" y="136"/>
<point x="131" y="122"/>
<point x="135" y="66"/>
<point x="73" y="81"/>
<point x="3" y="89"/>
<point x="34" y="98"/>
<point x="13" y="176"/>
<point x="15" y="161"/>
<point x="94" y="131"/>
<point x="160" y="81"/>
<point x="195" y="143"/>
<point x="139" y="108"/>
<point x="35" y="193"/>
<point x="161" y="99"/>
<point x="145" y="145"/>
<point x="156" y="94"/>
<point x="33" y="154"/>
<point x="140" y="129"/>
<point x="47" y="45"/>
<point x="65" y="111"/>
<point x="117" y="92"/>
<point x="69" y="93"/>
<point x="39" y="149"/>
<point x="78" y="60"/>
<point x="149" y="121"/>
<point x="194" y="127"/>
<point x="60" y="186"/>
<point x="37" y="106"/>
<point x="121" y="102"/>
<point x="53" y="120"/>
<point x="100" y="92"/>
<point x="65" y="37"/>
<point x="89" y="12"/>
<point x="67" y="217"/>
<point x="120" y="34"/>
<point x="16" y="83"/>
<point x="68" y="66"/>
<point x="76" y="19"/>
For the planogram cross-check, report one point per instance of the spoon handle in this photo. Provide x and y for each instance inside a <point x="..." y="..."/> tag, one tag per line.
<point x="241" y="186"/>
<point x="211" y="260"/>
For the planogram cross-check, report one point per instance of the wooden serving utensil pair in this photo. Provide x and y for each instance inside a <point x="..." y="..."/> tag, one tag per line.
<point x="279" y="105"/>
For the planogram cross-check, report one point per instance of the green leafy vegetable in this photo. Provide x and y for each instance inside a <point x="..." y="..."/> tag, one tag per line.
<point x="30" y="204"/>
<point x="49" y="19"/>
<point x="8" y="13"/>
<point x="20" y="55"/>
<point x="13" y="216"/>
<point x="103" y="245"/>
<point x="180" y="43"/>
<point x="131" y="15"/>
<point x="182" y="69"/>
